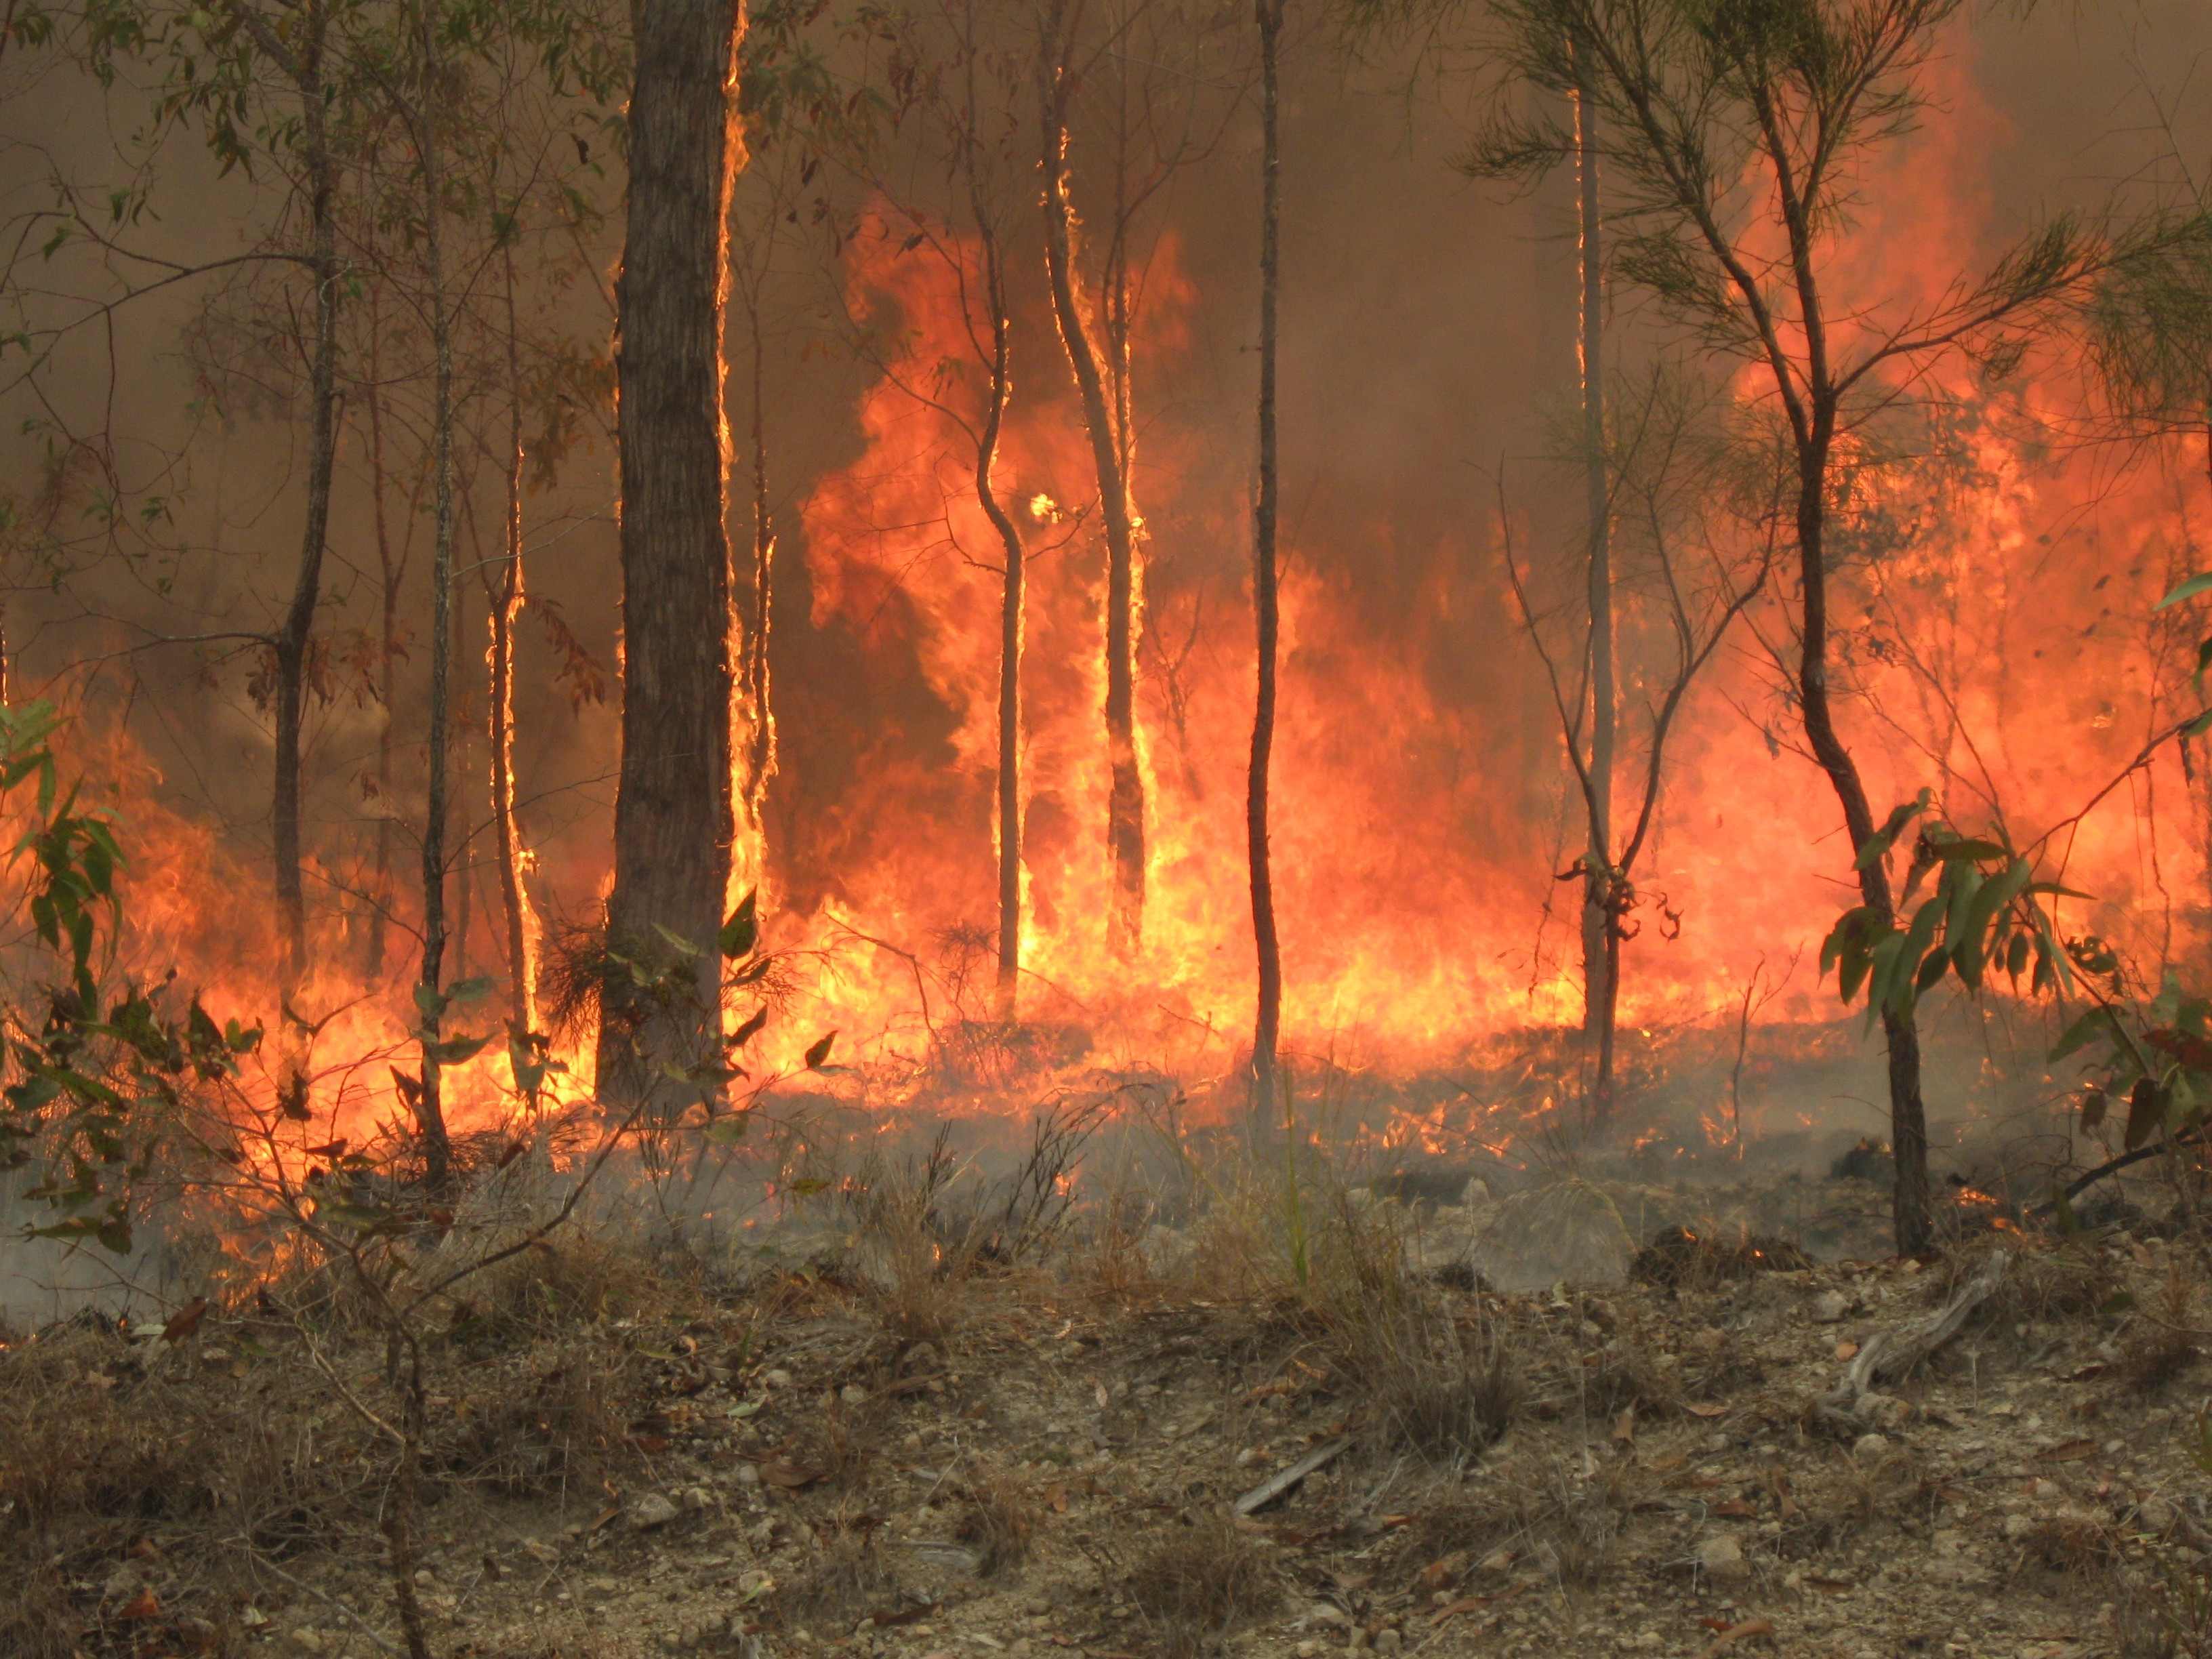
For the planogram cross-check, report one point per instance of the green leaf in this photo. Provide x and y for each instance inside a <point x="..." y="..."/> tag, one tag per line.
<point x="2068" y="1225"/>
<point x="1951" y="851"/>
<point x="820" y="1051"/>
<point x="470" y="990"/>
<point x="741" y="933"/>
<point x="2188" y="590"/>
<point x="726" y="1131"/>
<point x="452" y="1051"/>
<point x="676" y="942"/>
<point x="2146" y="1111"/>
<point x="752" y="1029"/>
<point x="429" y="1001"/>
<point x="2092" y="1024"/>
<point x="1878" y="845"/>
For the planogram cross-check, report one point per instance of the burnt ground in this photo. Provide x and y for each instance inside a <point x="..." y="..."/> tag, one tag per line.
<point x="629" y="1457"/>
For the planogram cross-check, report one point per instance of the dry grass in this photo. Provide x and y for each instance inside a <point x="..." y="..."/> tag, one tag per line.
<point x="2157" y="1348"/>
<point x="2067" y="1280"/>
<point x="2073" y="1546"/>
<point x="1200" y="1581"/>
<point x="109" y="1461"/>
<point x="1680" y="1258"/>
<point x="1535" y="1512"/>
<point x="998" y="1519"/>
<point x="851" y="1576"/>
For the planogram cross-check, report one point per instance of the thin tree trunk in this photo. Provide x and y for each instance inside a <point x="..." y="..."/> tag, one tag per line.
<point x="1010" y="621"/>
<point x="1600" y="895"/>
<point x="674" y="823"/>
<point x="1267" y="1026"/>
<point x="1125" y="806"/>
<point x="294" y="639"/>
<point x="753" y="678"/>
<point x="389" y="574"/>
<point x="1907" y="1113"/>
<point x="429" y="996"/>
<point x="503" y="604"/>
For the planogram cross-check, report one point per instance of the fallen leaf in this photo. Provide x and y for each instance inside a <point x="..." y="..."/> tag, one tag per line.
<point x="1741" y="1509"/>
<point x="2072" y="1451"/>
<point x="1847" y="1350"/>
<point x="1624" y="1427"/>
<point x="651" y="1444"/>
<point x="790" y="1476"/>
<point x="141" y="1606"/>
<point x="605" y="1516"/>
<point x="1833" y="1586"/>
<point x="1055" y="1497"/>
<point x="1453" y="1609"/>
<point x="1749" y="1629"/>
<point x="185" y="1320"/>
<point x="1708" y="1408"/>
<point x="893" y="1617"/>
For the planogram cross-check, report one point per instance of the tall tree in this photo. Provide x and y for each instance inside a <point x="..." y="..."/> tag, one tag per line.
<point x="674" y="825"/>
<point x="1104" y="403"/>
<point x="1267" y="1028"/>
<point x="1600" y="996"/>
<point x="1740" y="134"/>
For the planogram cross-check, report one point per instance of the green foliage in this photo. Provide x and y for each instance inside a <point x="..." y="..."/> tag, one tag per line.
<point x="1986" y="915"/>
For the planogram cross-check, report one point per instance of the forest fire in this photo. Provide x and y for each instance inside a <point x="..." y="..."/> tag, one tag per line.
<point x="836" y="830"/>
<point x="1536" y="776"/>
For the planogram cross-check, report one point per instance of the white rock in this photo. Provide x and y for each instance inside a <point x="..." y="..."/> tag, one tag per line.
<point x="307" y="1640"/>
<point x="2017" y="1527"/>
<point x="1829" y="1307"/>
<point x="1870" y="1448"/>
<point x="1722" y="1558"/>
<point x="650" y="1511"/>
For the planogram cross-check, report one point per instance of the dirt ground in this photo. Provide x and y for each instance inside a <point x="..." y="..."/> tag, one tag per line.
<point x="1045" y="1457"/>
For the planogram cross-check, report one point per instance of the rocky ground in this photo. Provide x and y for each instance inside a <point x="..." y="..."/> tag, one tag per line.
<point x="860" y="1460"/>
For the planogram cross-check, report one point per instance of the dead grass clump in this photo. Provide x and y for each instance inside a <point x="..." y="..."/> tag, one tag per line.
<point x="1570" y="1530"/>
<point x="2157" y="1348"/>
<point x="1198" y="1583"/>
<point x="545" y="1428"/>
<point x="2073" y="1546"/>
<point x="1829" y="1508"/>
<point x="547" y="1291"/>
<point x="105" y="1447"/>
<point x="2066" y="1281"/>
<point x="851" y="1576"/>
<point x="997" y="1520"/>
<point x="1681" y="1257"/>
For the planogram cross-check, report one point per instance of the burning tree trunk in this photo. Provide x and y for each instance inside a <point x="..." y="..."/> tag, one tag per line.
<point x="998" y="389"/>
<point x="1600" y="920"/>
<point x="1267" y="1023"/>
<point x="673" y="818"/>
<point x="295" y="640"/>
<point x="503" y="604"/>
<point x="429" y="995"/>
<point x="1124" y="805"/>
<point x="392" y="569"/>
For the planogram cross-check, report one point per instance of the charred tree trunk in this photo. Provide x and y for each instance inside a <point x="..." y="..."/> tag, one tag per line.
<point x="1010" y="617"/>
<point x="1267" y="1023"/>
<point x="759" y="720"/>
<point x="673" y="818"/>
<point x="389" y="572"/>
<point x="1124" y="805"/>
<point x="1601" y="899"/>
<point x="429" y="994"/>
<point x="294" y="641"/>
<point x="1907" y="1114"/>
<point x="503" y="604"/>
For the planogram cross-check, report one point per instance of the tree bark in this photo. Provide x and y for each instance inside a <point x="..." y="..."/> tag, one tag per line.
<point x="503" y="604"/>
<point x="1124" y="805"/>
<point x="1267" y="1028"/>
<point x="753" y="691"/>
<point x="429" y="995"/>
<point x="390" y="571"/>
<point x="674" y="824"/>
<point x="1600" y="882"/>
<point x="293" y="640"/>
<point x="1010" y="613"/>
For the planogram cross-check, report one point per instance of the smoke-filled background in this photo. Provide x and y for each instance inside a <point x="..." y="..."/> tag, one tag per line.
<point x="1999" y="645"/>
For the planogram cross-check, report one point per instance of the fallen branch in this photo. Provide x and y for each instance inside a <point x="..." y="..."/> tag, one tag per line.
<point x="2113" y="1166"/>
<point x="1281" y="1482"/>
<point x="1890" y="1354"/>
